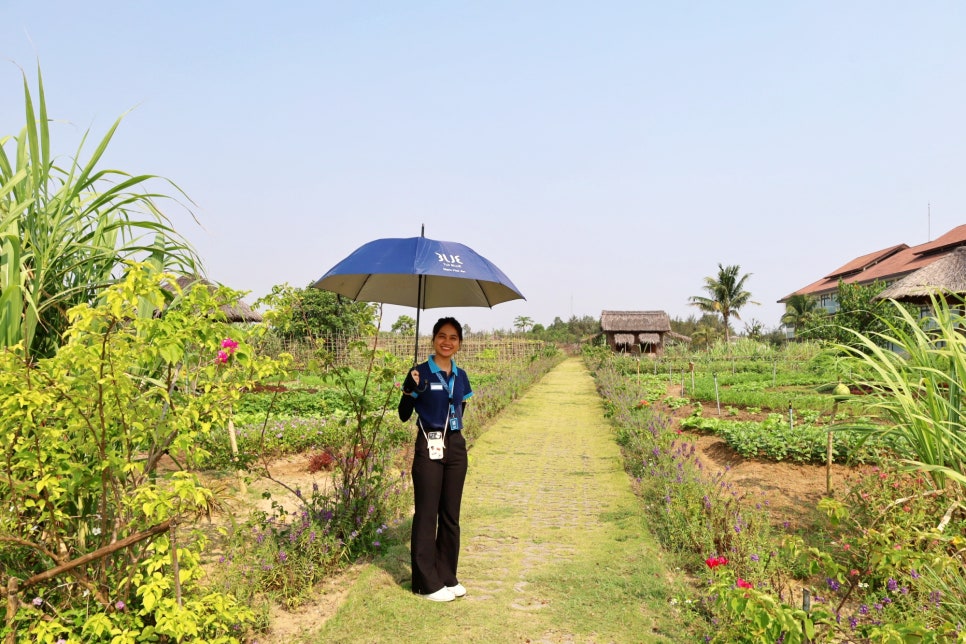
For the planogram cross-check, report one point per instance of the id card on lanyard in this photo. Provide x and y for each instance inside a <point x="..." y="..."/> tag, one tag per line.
<point x="452" y="420"/>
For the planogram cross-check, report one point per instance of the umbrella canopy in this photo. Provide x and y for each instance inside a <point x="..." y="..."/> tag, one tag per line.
<point x="945" y="275"/>
<point x="419" y="272"/>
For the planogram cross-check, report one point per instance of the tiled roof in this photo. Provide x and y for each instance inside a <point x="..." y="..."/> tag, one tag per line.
<point x="955" y="237"/>
<point x="864" y="262"/>
<point x="886" y="265"/>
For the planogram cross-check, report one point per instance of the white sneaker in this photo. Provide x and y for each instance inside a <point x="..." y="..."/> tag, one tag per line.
<point x="458" y="590"/>
<point x="444" y="594"/>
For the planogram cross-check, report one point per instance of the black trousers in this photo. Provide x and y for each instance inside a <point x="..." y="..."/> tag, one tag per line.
<point x="438" y="491"/>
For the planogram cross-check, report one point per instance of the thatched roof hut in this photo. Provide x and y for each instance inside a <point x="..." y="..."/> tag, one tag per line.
<point x="240" y="312"/>
<point x="639" y="321"/>
<point x="635" y="331"/>
<point x="944" y="275"/>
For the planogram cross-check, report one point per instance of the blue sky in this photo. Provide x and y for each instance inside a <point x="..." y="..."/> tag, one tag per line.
<point x="604" y="155"/>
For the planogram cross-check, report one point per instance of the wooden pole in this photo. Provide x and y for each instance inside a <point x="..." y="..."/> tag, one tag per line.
<point x="717" y="398"/>
<point x="828" y="454"/>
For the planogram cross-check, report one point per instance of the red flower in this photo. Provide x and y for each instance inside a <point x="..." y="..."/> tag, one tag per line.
<point x="744" y="584"/>
<point x="714" y="562"/>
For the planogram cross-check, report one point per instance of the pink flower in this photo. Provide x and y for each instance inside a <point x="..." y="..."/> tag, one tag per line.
<point x="222" y="357"/>
<point x="741" y="583"/>
<point x="229" y="344"/>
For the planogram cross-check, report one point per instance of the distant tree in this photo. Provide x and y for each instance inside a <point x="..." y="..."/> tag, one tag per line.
<point x="799" y="310"/>
<point x="300" y="313"/>
<point x="692" y="324"/>
<point x="523" y="323"/>
<point x="726" y="295"/>
<point x="754" y="329"/>
<point x="858" y="311"/>
<point x="704" y="336"/>
<point x="537" y="328"/>
<point x="404" y="325"/>
<point x="570" y="332"/>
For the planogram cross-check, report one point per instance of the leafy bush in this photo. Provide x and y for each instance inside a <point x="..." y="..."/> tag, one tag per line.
<point x="86" y="431"/>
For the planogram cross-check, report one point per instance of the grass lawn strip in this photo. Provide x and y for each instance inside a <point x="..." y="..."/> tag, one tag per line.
<point x="555" y="547"/>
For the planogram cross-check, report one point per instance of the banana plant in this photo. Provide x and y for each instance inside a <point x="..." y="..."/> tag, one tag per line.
<point x="67" y="230"/>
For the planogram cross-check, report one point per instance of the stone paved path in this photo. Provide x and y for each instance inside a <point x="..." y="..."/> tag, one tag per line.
<point x="553" y="543"/>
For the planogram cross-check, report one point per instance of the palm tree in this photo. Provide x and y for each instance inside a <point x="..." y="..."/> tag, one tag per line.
<point x="799" y="309"/>
<point x="523" y="323"/>
<point x="67" y="232"/>
<point x="727" y="295"/>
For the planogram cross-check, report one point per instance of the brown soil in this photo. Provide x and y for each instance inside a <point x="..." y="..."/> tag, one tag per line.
<point x="790" y="491"/>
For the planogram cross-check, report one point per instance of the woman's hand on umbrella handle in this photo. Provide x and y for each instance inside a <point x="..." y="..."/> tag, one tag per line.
<point x="411" y="383"/>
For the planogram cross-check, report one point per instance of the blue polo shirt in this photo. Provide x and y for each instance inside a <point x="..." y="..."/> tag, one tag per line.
<point x="432" y="404"/>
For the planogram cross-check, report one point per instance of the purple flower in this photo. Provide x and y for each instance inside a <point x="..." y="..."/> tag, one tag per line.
<point x="38" y="601"/>
<point x="754" y="558"/>
<point x="282" y="556"/>
<point x="863" y="610"/>
<point x="833" y="584"/>
<point x="119" y="605"/>
<point x="914" y="574"/>
<point x="376" y="544"/>
<point x="891" y="585"/>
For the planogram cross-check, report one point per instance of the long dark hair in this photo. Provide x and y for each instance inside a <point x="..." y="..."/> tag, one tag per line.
<point x="443" y="321"/>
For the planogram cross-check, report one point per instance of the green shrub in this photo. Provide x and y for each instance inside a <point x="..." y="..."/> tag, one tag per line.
<point x="86" y="430"/>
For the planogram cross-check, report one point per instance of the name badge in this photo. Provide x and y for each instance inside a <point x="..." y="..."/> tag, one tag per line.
<point x="436" y="386"/>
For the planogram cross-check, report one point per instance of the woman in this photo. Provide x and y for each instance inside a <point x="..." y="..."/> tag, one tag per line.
<point x="438" y="391"/>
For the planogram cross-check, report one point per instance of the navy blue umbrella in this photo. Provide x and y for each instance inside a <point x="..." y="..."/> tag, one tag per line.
<point x="420" y="272"/>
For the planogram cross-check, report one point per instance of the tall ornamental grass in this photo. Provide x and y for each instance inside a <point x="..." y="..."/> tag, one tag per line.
<point x="917" y="385"/>
<point x="67" y="227"/>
